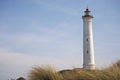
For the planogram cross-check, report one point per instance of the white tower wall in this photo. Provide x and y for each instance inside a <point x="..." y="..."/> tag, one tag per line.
<point x="88" y="48"/>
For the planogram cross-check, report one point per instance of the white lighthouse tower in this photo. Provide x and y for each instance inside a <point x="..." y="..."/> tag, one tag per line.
<point x="88" y="49"/>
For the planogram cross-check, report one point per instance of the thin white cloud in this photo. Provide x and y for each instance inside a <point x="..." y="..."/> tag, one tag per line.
<point x="19" y="59"/>
<point x="64" y="36"/>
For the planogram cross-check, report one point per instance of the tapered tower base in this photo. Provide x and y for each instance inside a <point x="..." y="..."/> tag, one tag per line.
<point x="89" y="67"/>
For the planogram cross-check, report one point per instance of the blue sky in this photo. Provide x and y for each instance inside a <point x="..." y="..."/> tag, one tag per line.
<point x="49" y="32"/>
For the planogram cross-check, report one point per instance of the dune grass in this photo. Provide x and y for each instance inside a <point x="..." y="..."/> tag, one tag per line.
<point x="44" y="73"/>
<point x="48" y="73"/>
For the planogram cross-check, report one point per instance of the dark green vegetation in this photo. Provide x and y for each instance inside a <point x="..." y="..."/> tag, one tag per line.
<point x="49" y="73"/>
<point x="20" y="78"/>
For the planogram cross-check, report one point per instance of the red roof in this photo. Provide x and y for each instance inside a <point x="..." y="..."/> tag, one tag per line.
<point x="87" y="10"/>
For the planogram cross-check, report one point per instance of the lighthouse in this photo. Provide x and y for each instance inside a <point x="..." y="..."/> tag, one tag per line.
<point x="88" y="47"/>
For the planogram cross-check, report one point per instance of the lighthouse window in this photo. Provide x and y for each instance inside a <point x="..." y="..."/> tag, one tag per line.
<point x="87" y="51"/>
<point x="87" y="39"/>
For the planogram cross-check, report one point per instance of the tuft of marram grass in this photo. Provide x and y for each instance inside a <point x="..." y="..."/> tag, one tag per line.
<point x="48" y="73"/>
<point x="44" y="73"/>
